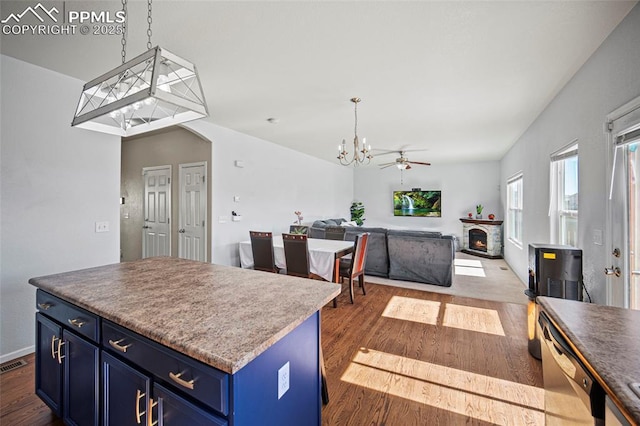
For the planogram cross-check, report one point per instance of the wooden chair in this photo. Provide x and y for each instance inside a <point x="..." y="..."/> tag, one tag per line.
<point x="262" y="248"/>
<point x="334" y="233"/>
<point x="296" y="254"/>
<point x="354" y="267"/>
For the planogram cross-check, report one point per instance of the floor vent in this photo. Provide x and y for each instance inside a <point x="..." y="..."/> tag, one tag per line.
<point x="12" y="366"/>
<point x="504" y="268"/>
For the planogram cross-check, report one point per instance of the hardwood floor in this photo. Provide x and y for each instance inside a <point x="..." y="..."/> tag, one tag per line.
<point x="408" y="357"/>
<point x="19" y="404"/>
<point x="396" y="357"/>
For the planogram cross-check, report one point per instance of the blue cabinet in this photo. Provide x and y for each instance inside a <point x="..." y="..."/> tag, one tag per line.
<point x="48" y="369"/>
<point x="67" y="376"/>
<point x="91" y="371"/>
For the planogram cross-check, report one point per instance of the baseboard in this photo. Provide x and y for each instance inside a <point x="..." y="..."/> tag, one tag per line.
<point x="17" y="354"/>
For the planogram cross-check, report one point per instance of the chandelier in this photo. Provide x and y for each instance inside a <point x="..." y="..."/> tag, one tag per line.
<point x="360" y="154"/>
<point x="153" y="90"/>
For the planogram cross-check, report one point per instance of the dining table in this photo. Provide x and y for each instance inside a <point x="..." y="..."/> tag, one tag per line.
<point x="324" y="255"/>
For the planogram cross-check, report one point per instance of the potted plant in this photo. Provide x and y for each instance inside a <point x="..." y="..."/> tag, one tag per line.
<point x="298" y="228"/>
<point x="479" y="208"/>
<point x="357" y="211"/>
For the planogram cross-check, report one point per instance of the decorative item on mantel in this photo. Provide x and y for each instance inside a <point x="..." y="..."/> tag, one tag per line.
<point x="491" y="216"/>
<point x="479" y="208"/>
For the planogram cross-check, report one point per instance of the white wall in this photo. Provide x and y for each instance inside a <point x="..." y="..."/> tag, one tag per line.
<point x="55" y="183"/>
<point x="463" y="186"/>
<point x="609" y="79"/>
<point x="274" y="182"/>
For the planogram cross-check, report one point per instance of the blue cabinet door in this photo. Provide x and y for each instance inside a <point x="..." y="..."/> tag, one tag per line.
<point x="48" y="367"/>
<point x="81" y="381"/>
<point x="125" y="393"/>
<point x="173" y="410"/>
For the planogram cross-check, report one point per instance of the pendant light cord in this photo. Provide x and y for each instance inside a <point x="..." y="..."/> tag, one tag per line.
<point x="124" y="31"/>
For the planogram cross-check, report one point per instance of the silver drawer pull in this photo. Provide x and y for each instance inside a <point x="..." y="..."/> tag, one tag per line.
<point x="116" y="345"/>
<point x="76" y="322"/>
<point x="176" y="378"/>
<point x="44" y="306"/>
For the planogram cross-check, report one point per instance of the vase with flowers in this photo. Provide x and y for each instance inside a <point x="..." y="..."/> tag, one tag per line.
<point x="479" y="209"/>
<point x="298" y="227"/>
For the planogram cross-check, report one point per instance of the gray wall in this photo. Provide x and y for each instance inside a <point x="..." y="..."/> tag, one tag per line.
<point x="173" y="146"/>
<point x="56" y="182"/>
<point x="273" y="183"/>
<point x="609" y="79"/>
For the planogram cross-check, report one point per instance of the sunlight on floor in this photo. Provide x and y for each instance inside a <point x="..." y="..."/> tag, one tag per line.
<point x="469" y="267"/>
<point x="475" y="395"/>
<point x="474" y="319"/>
<point x="470" y="318"/>
<point x="410" y="309"/>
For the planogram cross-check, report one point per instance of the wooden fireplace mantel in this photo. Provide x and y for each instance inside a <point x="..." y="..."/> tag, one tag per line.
<point x="481" y="221"/>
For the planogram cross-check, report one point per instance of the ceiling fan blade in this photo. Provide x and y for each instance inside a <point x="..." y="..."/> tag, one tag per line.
<point x="408" y="167"/>
<point x="387" y="164"/>
<point x="413" y="150"/>
<point x="384" y="166"/>
<point x="382" y="152"/>
<point x="420" y="162"/>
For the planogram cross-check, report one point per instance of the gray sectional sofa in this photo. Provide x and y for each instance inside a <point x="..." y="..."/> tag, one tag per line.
<point x="407" y="255"/>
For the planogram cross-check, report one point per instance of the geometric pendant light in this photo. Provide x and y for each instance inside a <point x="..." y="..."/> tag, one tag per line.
<point x="154" y="90"/>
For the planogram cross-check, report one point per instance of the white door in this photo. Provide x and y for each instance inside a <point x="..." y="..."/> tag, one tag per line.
<point x="192" y="232"/>
<point x="623" y="224"/>
<point x="156" y="231"/>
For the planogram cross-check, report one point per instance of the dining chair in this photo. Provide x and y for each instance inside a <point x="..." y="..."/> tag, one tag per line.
<point x="334" y="233"/>
<point x="354" y="267"/>
<point x="262" y="248"/>
<point x="296" y="254"/>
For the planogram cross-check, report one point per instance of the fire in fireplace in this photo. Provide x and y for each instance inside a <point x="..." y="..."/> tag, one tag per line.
<point x="478" y="240"/>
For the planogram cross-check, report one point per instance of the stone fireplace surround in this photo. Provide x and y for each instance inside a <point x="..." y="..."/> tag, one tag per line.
<point x="493" y="231"/>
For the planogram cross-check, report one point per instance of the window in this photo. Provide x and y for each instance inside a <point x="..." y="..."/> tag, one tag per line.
<point x="514" y="209"/>
<point x="563" y="203"/>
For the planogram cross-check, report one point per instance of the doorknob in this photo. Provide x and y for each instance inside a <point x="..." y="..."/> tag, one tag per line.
<point x="182" y="231"/>
<point x="613" y="271"/>
<point x="146" y="227"/>
<point x="616" y="252"/>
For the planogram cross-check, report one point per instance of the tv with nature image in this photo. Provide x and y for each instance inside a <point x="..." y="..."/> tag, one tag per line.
<point x="417" y="203"/>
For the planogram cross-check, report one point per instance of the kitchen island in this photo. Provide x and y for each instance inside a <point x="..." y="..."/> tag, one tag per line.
<point x="236" y="346"/>
<point x="608" y="343"/>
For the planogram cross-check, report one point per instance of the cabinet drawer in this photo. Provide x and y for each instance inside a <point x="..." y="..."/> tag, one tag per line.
<point x="74" y="318"/>
<point x="202" y="382"/>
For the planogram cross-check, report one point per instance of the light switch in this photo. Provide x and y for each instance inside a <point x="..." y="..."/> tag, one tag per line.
<point x="283" y="380"/>
<point x="223" y="219"/>
<point x="236" y="198"/>
<point x="597" y="237"/>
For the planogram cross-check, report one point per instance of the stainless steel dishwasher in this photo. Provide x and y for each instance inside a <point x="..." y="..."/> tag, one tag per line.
<point x="571" y="395"/>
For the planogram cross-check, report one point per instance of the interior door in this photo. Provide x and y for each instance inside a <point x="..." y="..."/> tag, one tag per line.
<point x="156" y="231"/>
<point x="192" y="231"/>
<point x="623" y="224"/>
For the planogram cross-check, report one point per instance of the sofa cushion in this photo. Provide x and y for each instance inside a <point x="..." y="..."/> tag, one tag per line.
<point x="416" y="258"/>
<point x="377" y="261"/>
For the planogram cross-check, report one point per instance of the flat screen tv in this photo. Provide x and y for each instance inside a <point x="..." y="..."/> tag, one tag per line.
<point x="417" y="203"/>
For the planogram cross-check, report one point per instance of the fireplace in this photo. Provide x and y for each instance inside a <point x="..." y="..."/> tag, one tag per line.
<point x="478" y="240"/>
<point x="482" y="237"/>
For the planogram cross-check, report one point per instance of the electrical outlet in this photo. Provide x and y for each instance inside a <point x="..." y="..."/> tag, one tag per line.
<point x="102" y="226"/>
<point x="283" y="380"/>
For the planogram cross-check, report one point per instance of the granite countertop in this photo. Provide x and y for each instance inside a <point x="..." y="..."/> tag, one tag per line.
<point x="609" y="342"/>
<point x="220" y="315"/>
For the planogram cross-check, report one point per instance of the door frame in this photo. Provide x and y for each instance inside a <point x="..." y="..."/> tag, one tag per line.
<point x="206" y="202"/>
<point x="615" y="297"/>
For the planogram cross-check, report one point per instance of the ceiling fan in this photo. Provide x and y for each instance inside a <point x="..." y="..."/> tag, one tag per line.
<point x="402" y="162"/>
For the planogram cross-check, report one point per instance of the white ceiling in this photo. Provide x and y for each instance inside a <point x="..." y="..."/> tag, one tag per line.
<point x="461" y="79"/>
